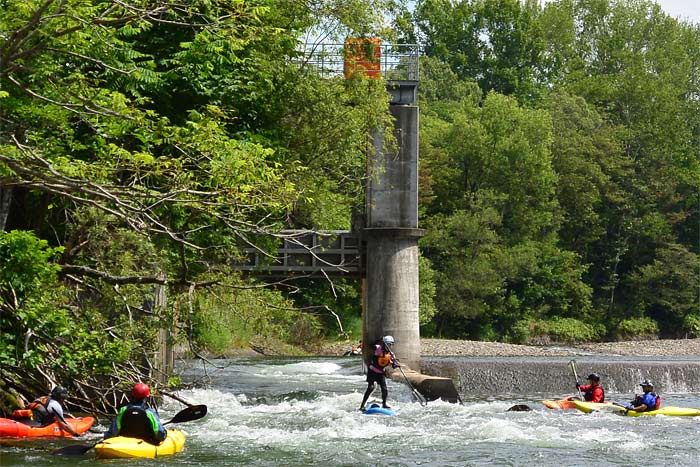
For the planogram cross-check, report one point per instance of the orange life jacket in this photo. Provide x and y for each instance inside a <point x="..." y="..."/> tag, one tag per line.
<point x="39" y="408"/>
<point x="23" y="413"/>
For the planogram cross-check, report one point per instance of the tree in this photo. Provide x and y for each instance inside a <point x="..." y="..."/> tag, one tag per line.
<point x="498" y="43"/>
<point x="182" y="132"/>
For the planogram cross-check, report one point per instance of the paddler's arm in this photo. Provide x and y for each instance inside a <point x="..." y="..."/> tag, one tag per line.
<point x="61" y="420"/>
<point x="65" y="426"/>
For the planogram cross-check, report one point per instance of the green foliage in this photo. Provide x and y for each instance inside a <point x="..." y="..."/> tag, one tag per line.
<point x="224" y="319"/>
<point x="519" y="333"/>
<point x="565" y="330"/>
<point x="426" y="282"/>
<point x="558" y="178"/>
<point x="586" y="218"/>
<point x="499" y="43"/>
<point x="337" y="305"/>
<point x="26" y="268"/>
<point x="637" y="329"/>
<point x="691" y="325"/>
<point x="38" y="329"/>
<point x="666" y="290"/>
<point x="30" y="297"/>
<point x="508" y="154"/>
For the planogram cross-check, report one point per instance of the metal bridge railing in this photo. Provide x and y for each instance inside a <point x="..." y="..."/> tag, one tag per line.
<point x="397" y="62"/>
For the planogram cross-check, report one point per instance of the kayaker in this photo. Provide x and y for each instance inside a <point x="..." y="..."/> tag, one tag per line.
<point x="647" y="401"/>
<point x="137" y="420"/>
<point x="592" y="392"/>
<point x="354" y="350"/>
<point x="49" y="409"/>
<point x="381" y="358"/>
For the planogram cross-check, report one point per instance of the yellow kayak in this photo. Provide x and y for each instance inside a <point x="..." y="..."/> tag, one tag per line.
<point x="588" y="407"/>
<point x="563" y="404"/>
<point x="123" y="447"/>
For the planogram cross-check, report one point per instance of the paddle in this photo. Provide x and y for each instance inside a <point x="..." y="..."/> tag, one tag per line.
<point x="621" y="405"/>
<point x="193" y="412"/>
<point x="419" y="397"/>
<point x="572" y="363"/>
<point x="176" y="397"/>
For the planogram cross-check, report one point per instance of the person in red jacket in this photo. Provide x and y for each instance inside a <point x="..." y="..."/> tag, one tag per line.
<point x="592" y="392"/>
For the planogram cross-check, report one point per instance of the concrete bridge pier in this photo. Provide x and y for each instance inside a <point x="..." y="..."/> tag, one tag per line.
<point x="391" y="237"/>
<point x="391" y="294"/>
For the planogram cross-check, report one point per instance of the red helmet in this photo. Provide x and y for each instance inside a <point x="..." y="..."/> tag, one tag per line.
<point x="140" y="391"/>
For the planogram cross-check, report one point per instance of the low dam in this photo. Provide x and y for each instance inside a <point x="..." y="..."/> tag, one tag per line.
<point x="553" y="375"/>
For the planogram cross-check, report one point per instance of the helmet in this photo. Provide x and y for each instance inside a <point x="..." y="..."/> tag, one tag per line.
<point x="647" y="382"/>
<point x="388" y="340"/>
<point x="140" y="391"/>
<point x="593" y="377"/>
<point x="59" y="392"/>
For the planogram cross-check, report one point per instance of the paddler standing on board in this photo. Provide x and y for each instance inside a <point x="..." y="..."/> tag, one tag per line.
<point x="592" y="392"/>
<point x="381" y="358"/>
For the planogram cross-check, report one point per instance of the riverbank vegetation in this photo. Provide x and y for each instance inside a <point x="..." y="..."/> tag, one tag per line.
<point x="144" y="146"/>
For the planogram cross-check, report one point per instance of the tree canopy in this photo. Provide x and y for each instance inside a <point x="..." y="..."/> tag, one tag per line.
<point x="144" y="145"/>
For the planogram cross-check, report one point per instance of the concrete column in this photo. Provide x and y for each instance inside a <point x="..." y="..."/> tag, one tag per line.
<point x="391" y="237"/>
<point x="392" y="292"/>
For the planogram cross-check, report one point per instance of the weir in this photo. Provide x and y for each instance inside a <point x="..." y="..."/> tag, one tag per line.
<point x="552" y="376"/>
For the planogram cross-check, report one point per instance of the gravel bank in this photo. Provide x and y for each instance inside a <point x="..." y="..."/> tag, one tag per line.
<point x="446" y="347"/>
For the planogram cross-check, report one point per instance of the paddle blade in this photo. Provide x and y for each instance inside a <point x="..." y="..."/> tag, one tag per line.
<point x="73" y="450"/>
<point x="194" y="412"/>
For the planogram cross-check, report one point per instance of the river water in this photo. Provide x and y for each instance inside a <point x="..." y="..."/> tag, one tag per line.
<point x="303" y="412"/>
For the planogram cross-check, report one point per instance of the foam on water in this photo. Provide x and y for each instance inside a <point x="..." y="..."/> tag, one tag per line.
<point x="304" y="413"/>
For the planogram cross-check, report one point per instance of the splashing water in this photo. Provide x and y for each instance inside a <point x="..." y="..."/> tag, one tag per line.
<point x="303" y="412"/>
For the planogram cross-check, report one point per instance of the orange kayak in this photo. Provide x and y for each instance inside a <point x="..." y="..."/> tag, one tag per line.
<point x="559" y="404"/>
<point x="17" y="429"/>
<point x="563" y="404"/>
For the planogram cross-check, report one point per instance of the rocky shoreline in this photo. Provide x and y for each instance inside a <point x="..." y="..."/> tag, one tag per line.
<point x="465" y="348"/>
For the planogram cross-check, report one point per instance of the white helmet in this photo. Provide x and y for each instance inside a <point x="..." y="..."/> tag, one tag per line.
<point x="388" y="340"/>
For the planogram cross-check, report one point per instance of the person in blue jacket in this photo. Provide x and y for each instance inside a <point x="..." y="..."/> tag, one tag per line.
<point x="137" y="420"/>
<point x="647" y="401"/>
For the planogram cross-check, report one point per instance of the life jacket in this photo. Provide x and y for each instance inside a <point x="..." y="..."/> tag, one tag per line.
<point x="39" y="408"/>
<point x="588" y="395"/>
<point x="380" y="361"/>
<point x="657" y="401"/>
<point x="134" y="422"/>
<point x="23" y="413"/>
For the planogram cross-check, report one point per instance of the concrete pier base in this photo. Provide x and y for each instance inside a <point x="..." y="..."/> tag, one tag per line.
<point x="430" y="387"/>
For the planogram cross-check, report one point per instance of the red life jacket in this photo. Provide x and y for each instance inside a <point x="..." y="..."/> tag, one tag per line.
<point x="589" y="394"/>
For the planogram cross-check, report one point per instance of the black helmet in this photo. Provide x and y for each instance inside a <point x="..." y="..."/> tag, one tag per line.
<point x="593" y="377"/>
<point x="59" y="392"/>
<point x="647" y="383"/>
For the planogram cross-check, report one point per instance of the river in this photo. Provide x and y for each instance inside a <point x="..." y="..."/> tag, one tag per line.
<point x="303" y="412"/>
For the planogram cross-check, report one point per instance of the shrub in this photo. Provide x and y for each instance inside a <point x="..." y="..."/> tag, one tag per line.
<point x="637" y="329"/>
<point x="519" y="333"/>
<point x="691" y="325"/>
<point x="565" y="330"/>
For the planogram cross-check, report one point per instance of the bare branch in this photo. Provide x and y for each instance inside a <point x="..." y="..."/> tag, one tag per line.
<point x="86" y="271"/>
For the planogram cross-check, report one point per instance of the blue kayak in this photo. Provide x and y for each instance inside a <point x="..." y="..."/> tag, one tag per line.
<point x="376" y="409"/>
